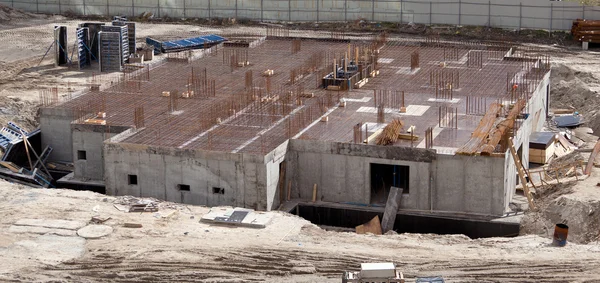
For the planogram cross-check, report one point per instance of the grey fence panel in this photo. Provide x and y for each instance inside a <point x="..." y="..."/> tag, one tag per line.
<point x="443" y="13"/>
<point x="512" y="14"/>
<point x="304" y="10"/>
<point x="332" y="10"/>
<point x="476" y="14"/>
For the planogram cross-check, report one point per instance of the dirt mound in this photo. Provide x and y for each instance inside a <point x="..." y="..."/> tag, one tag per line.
<point x="582" y="217"/>
<point x="9" y="14"/>
<point x="571" y="89"/>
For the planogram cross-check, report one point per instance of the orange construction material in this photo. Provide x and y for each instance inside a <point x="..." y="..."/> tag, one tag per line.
<point x="502" y="129"/>
<point x="482" y="131"/>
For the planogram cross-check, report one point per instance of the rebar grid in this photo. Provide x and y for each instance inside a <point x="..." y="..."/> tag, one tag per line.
<point x="214" y="105"/>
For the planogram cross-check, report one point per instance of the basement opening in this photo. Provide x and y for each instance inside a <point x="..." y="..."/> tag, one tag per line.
<point x="345" y="218"/>
<point x="385" y="176"/>
<point x="183" y="187"/>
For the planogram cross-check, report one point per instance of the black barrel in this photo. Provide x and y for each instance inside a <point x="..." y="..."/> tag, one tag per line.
<point x="561" y="231"/>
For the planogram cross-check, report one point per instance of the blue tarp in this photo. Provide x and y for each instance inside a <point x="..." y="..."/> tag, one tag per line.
<point x="185" y="44"/>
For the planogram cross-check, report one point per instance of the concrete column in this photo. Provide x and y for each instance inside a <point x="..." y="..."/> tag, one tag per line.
<point x="489" y="13"/>
<point x="401" y="7"/>
<point x="317" y="1"/>
<point x="372" y="10"/>
<point x="459" y="11"/>
<point x="430" y="12"/>
<point x="520" y="15"/>
<point x="345" y="10"/>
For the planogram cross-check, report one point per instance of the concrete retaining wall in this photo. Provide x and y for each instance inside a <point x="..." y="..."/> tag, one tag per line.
<point x="461" y="184"/>
<point x="512" y="14"/>
<point x="55" y="124"/>
<point x="90" y="138"/>
<point x="345" y="175"/>
<point x="247" y="180"/>
<point x="536" y="108"/>
<point x="469" y="184"/>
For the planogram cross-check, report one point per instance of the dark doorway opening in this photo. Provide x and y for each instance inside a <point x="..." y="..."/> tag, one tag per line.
<point x="385" y="176"/>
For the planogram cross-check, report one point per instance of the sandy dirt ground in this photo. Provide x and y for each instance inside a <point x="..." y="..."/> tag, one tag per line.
<point x="290" y="249"/>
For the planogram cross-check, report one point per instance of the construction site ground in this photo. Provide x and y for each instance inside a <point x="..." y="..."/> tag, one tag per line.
<point x="289" y="249"/>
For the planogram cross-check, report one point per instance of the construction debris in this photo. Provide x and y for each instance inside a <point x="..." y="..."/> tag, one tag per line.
<point x="237" y="217"/>
<point x="131" y="204"/>
<point x="132" y="225"/>
<point x="20" y="161"/>
<point x="391" y="209"/>
<point x="374" y="272"/>
<point x="373" y="227"/>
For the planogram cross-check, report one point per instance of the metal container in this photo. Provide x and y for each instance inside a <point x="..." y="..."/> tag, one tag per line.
<point x="561" y="231"/>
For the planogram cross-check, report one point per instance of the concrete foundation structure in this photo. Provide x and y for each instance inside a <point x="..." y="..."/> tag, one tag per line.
<point x="194" y="154"/>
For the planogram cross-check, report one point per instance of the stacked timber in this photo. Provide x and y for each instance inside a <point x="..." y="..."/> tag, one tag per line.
<point x="390" y="133"/>
<point x="586" y="30"/>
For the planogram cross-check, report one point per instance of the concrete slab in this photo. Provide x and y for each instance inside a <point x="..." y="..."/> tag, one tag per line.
<point x="94" y="231"/>
<point x="51" y="223"/>
<point x="50" y="249"/>
<point x="41" y="230"/>
<point x="253" y="219"/>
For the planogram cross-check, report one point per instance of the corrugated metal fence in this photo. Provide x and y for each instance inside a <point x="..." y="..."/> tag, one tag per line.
<point x="513" y="14"/>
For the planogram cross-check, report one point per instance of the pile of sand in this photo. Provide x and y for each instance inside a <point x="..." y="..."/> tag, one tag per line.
<point x="571" y="89"/>
<point x="9" y="14"/>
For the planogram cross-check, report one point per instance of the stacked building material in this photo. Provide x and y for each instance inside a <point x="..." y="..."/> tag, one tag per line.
<point x="83" y="50"/>
<point x="390" y="133"/>
<point x="130" y="33"/>
<point x="111" y="53"/>
<point x="94" y="29"/>
<point x="205" y="41"/>
<point x="586" y="30"/>
<point x="60" y="45"/>
<point x="123" y="39"/>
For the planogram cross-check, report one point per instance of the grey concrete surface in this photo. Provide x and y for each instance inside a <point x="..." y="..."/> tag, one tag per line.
<point x="90" y="138"/>
<point x="94" y="231"/>
<point x="242" y="177"/>
<point x="55" y="124"/>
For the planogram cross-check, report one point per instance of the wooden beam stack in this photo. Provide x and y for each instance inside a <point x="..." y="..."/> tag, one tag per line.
<point x="586" y="31"/>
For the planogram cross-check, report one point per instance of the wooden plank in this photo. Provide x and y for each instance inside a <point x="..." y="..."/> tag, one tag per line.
<point x="391" y="209"/>
<point x="373" y="136"/>
<point x="502" y="129"/>
<point x="281" y="182"/>
<point x="11" y="166"/>
<point x="408" y="137"/>
<point x="481" y="132"/>
<point x="289" y="190"/>
<point x="590" y="163"/>
<point x="373" y="227"/>
<point x="521" y="174"/>
<point x="314" y="196"/>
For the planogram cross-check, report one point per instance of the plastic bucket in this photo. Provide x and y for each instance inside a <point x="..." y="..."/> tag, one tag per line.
<point x="561" y="231"/>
